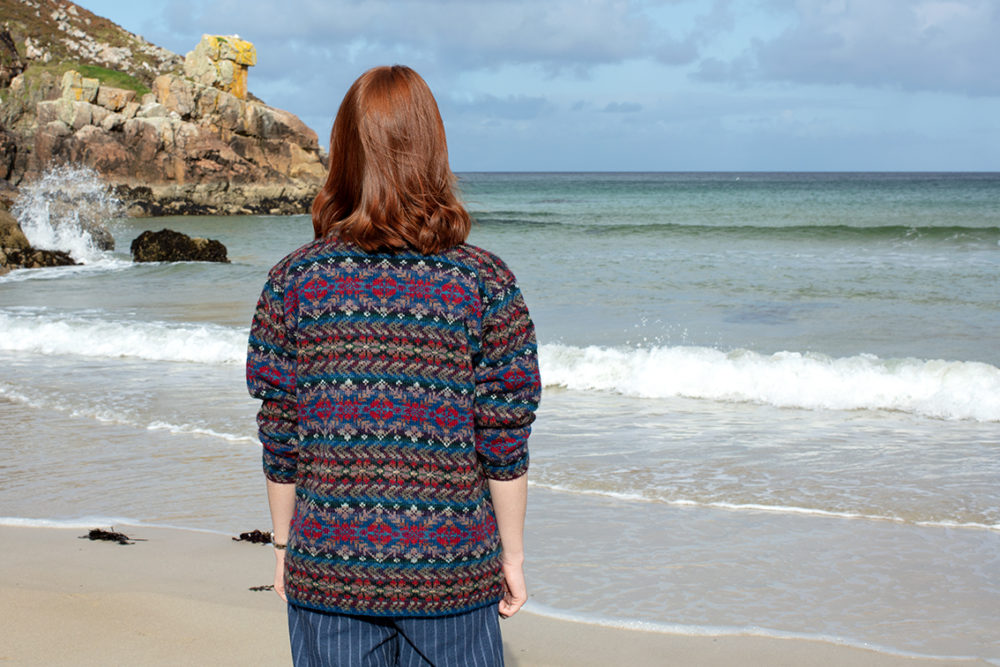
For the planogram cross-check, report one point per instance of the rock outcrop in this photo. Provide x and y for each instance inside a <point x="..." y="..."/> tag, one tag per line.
<point x="167" y="245"/>
<point x="16" y="252"/>
<point x="221" y="62"/>
<point x="197" y="143"/>
<point x="11" y="63"/>
<point x="11" y="235"/>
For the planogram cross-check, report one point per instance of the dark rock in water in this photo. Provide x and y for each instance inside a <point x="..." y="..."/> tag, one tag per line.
<point x="33" y="258"/>
<point x="100" y="235"/>
<point x="167" y="245"/>
<point x="213" y="199"/>
<point x="11" y="236"/>
<point x="17" y="253"/>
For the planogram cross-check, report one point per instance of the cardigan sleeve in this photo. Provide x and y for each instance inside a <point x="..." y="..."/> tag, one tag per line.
<point x="508" y="387"/>
<point x="271" y="378"/>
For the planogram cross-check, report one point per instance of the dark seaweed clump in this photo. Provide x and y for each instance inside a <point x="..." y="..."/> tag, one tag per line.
<point x="254" y="536"/>
<point x="107" y="536"/>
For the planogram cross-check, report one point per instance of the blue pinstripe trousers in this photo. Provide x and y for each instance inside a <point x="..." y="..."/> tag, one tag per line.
<point x="470" y="639"/>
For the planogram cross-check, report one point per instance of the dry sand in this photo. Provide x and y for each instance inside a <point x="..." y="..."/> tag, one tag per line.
<point x="182" y="597"/>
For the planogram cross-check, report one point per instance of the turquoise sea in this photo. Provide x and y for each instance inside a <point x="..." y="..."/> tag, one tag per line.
<point x="772" y="401"/>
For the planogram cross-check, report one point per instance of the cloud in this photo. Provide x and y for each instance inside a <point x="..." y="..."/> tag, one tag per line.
<point x="318" y="47"/>
<point x="622" y="107"/>
<point x="716" y="70"/>
<point x="717" y="20"/>
<point x="449" y="33"/>
<point x="310" y="51"/>
<point x="512" y="107"/>
<point x="929" y="45"/>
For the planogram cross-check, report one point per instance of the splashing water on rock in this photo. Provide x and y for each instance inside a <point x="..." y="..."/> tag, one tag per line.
<point x="69" y="208"/>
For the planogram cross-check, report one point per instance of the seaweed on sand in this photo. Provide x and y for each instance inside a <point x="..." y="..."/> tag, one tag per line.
<point x="109" y="536"/>
<point x="254" y="536"/>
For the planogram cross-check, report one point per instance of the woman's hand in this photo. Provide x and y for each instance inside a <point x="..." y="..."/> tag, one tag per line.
<point x="515" y="592"/>
<point x="279" y="573"/>
<point x="281" y="500"/>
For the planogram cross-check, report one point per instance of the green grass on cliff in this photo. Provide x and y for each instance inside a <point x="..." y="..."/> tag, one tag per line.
<point x="109" y="77"/>
<point x="114" y="78"/>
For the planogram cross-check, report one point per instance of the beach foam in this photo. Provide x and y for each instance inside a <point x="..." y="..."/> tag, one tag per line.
<point x="104" y="264"/>
<point x="655" y="496"/>
<point x="84" y="522"/>
<point x="932" y="388"/>
<point x="90" y="335"/>
<point x="193" y="429"/>
<point x="98" y="521"/>
<point x="72" y="406"/>
<point x="726" y="631"/>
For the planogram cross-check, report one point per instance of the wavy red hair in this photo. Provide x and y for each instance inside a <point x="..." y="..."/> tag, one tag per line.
<point x="389" y="186"/>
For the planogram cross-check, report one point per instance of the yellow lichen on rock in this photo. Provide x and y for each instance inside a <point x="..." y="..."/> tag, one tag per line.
<point x="238" y="50"/>
<point x="221" y="61"/>
<point x="79" y="88"/>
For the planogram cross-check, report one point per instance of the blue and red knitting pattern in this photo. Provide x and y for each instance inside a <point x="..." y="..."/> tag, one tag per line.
<point x="392" y="387"/>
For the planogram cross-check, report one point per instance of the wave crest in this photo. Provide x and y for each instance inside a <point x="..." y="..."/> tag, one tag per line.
<point x="91" y="336"/>
<point x="932" y="388"/>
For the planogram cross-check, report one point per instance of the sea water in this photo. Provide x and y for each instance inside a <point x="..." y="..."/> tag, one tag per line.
<point x="772" y="401"/>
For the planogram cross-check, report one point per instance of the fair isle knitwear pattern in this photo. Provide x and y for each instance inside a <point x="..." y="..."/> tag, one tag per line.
<point x="393" y="385"/>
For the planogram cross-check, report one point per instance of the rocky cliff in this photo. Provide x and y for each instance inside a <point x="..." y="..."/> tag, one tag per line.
<point x="170" y="134"/>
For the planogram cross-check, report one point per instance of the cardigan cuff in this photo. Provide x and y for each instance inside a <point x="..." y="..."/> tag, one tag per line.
<point x="507" y="472"/>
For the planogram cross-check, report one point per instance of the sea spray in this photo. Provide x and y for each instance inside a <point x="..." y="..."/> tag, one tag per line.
<point x="69" y="208"/>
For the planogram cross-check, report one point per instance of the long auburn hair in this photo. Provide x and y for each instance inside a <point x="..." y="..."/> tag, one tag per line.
<point x="389" y="186"/>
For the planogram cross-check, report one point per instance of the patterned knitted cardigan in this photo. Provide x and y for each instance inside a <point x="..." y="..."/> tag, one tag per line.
<point x="392" y="387"/>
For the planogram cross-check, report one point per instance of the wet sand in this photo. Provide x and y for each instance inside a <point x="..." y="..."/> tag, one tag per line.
<point x="182" y="597"/>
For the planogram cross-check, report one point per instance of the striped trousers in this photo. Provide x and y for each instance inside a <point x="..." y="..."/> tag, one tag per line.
<point x="470" y="639"/>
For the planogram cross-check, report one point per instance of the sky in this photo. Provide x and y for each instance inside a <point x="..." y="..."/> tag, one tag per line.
<point x="637" y="85"/>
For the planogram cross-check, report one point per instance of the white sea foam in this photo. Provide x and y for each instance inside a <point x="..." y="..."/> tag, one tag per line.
<point x="191" y="429"/>
<point x="96" y="521"/>
<point x="107" y="415"/>
<point x="106" y="263"/>
<point x="64" y="209"/>
<point x="87" y="335"/>
<point x="759" y="507"/>
<point x="933" y="388"/>
<point x="78" y="522"/>
<point x="726" y="631"/>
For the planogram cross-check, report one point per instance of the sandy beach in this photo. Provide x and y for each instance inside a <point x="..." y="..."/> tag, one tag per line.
<point x="183" y="597"/>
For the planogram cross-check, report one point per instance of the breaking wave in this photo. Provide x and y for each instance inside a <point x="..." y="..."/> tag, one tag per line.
<point x="88" y="335"/>
<point x="932" y="388"/>
<point x="70" y="209"/>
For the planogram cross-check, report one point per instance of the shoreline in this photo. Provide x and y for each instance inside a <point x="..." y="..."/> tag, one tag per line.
<point x="183" y="596"/>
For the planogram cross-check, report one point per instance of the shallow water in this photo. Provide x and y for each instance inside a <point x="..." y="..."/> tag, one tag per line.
<point x="772" y="402"/>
